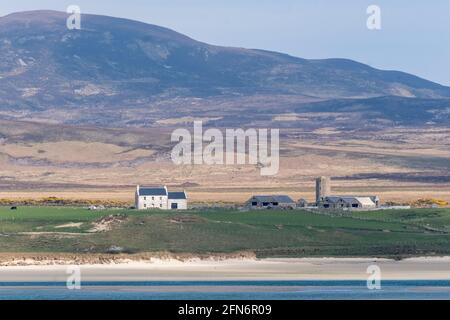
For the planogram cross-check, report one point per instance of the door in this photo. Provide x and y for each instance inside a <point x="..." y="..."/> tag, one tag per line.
<point x="174" y="205"/>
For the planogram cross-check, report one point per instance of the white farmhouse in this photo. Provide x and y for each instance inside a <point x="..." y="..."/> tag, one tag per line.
<point x="159" y="198"/>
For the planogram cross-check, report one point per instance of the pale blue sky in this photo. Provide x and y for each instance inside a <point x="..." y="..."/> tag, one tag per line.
<point x="415" y="35"/>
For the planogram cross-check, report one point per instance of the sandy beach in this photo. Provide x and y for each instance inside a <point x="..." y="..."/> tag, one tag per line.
<point x="432" y="268"/>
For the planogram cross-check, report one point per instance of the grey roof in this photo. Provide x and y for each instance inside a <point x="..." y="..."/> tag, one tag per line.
<point x="332" y="199"/>
<point x="152" y="191"/>
<point x="274" y="198"/>
<point x="177" y="195"/>
<point x="262" y="198"/>
<point x="348" y="199"/>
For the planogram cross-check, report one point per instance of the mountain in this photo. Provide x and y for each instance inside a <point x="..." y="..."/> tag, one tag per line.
<point x="112" y="66"/>
<point x="413" y="111"/>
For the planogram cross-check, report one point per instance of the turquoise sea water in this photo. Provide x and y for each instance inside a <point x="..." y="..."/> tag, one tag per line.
<point x="226" y="290"/>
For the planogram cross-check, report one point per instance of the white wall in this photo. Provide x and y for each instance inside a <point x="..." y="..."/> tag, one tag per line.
<point x="182" y="203"/>
<point x="151" y="202"/>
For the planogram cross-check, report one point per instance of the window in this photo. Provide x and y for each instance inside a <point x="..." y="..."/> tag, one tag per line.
<point x="174" y="205"/>
<point x="145" y="198"/>
<point x="354" y="205"/>
<point x="326" y="205"/>
<point x="265" y="204"/>
<point x="153" y="198"/>
<point x="160" y="198"/>
<point x="145" y="205"/>
<point x="275" y="203"/>
<point x="160" y="205"/>
<point x="254" y="203"/>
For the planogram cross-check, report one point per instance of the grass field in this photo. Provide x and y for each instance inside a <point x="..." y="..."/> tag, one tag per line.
<point x="267" y="233"/>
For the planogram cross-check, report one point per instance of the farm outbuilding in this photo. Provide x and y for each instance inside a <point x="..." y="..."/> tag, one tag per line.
<point x="348" y="202"/>
<point x="177" y="201"/>
<point x="302" y="203"/>
<point x="325" y="199"/>
<point x="271" y="202"/>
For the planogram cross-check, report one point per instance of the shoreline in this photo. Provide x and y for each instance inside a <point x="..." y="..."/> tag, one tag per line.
<point x="236" y="269"/>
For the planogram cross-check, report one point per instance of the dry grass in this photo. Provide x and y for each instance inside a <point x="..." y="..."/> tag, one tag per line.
<point x="186" y="120"/>
<point x="106" y="163"/>
<point x="236" y="195"/>
<point x="74" y="151"/>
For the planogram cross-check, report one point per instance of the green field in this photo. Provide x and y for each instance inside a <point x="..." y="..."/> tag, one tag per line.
<point x="394" y="233"/>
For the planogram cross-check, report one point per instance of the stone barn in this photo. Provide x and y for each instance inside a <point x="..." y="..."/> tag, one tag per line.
<point x="347" y="202"/>
<point x="271" y="202"/>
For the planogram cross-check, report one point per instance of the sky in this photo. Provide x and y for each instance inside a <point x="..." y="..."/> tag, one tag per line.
<point x="414" y="35"/>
